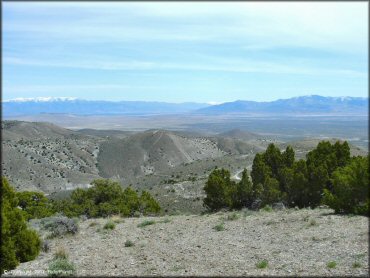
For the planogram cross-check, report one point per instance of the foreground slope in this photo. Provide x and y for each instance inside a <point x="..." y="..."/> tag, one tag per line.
<point x="293" y="242"/>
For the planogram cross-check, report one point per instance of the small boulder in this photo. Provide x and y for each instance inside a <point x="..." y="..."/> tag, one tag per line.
<point x="256" y="204"/>
<point x="278" y="206"/>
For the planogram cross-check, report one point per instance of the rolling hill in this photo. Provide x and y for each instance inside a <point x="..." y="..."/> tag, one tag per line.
<point x="48" y="158"/>
<point x="151" y="152"/>
<point x="172" y="165"/>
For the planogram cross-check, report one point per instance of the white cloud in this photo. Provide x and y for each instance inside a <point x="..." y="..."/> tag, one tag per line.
<point x="41" y="89"/>
<point x="212" y="64"/>
<point x="330" y="39"/>
<point x="340" y="26"/>
<point x="214" y="102"/>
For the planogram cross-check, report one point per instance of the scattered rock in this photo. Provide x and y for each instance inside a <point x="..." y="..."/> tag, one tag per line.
<point x="256" y="205"/>
<point x="278" y="206"/>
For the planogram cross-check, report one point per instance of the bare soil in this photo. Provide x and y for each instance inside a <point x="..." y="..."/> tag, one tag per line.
<point x="293" y="242"/>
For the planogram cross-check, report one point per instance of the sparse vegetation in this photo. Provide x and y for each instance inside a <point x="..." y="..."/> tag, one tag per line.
<point x="129" y="243"/>
<point x="262" y="264"/>
<point x="146" y="223"/>
<point x="166" y="220"/>
<point x="356" y="265"/>
<point x="93" y="224"/>
<point x="219" y="227"/>
<point x="331" y="264"/>
<point x="110" y="225"/>
<point x="107" y="198"/>
<point x="246" y="212"/>
<point x="60" y="253"/>
<point x="267" y="208"/>
<point x="233" y="216"/>
<point x="117" y="219"/>
<point x="60" y="265"/>
<point x="312" y="222"/>
<point x="59" y="226"/>
<point x="342" y="182"/>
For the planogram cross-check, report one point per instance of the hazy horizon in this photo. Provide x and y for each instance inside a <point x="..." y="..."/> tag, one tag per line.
<point x="185" y="51"/>
<point x="63" y="98"/>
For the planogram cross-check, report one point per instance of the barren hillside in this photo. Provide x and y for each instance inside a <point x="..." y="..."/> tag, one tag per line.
<point x="152" y="152"/>
<point x="45" y="157"/>
<point x="172" y="165"/>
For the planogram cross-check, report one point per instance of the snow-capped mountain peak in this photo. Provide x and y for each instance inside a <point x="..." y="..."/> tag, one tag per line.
<point x="41" y="99"/>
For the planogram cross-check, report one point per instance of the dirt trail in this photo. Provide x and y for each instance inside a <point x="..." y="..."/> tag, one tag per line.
<point x="180" y="147"/>
<point x="237" y="173"/>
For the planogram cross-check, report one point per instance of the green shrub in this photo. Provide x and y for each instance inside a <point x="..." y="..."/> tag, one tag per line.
<point x="321" y="163"/>
<point x="350" y="187"/>
<point x="242" y="193"/>
<point x="262" y="264"/>
<point x="19" y="244"/>
<point x="129" y="243"/>
<point x="106" y="198"/>
<point x="331" y="264"/>
<point x="328" y="175"/>
<point x="356" y="265"/>
<point x="166" y="220"/>
<point x="218" y="189"/>
<point x="148" y="205"/>
<point x="267" y="208"/>
<point x="28" y="245"/>
<point x="233" y="216"/>
<point x="61" y="267"/>
<point x="110" y="225"/>
<point x="34" y="204"/>
<point x="146" y="223"/>
<point x="297" y="183"/>
<point x="219" y="227"/>
<point x="59" y="225"/>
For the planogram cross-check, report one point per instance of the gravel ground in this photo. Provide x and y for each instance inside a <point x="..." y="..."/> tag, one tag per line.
<point x="293" y="242"/>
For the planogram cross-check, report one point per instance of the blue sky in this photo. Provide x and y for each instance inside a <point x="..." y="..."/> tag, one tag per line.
<point x="184" y="51"/>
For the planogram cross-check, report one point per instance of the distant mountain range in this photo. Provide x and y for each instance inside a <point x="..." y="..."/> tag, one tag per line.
<point x="312" y="104"/>
<point x="27" y="106"/>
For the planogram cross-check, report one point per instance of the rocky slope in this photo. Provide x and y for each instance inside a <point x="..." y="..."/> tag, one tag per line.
<point x="45" y="157"/>
<point x="293" y="242"/>
<point x="152" y="152"/>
